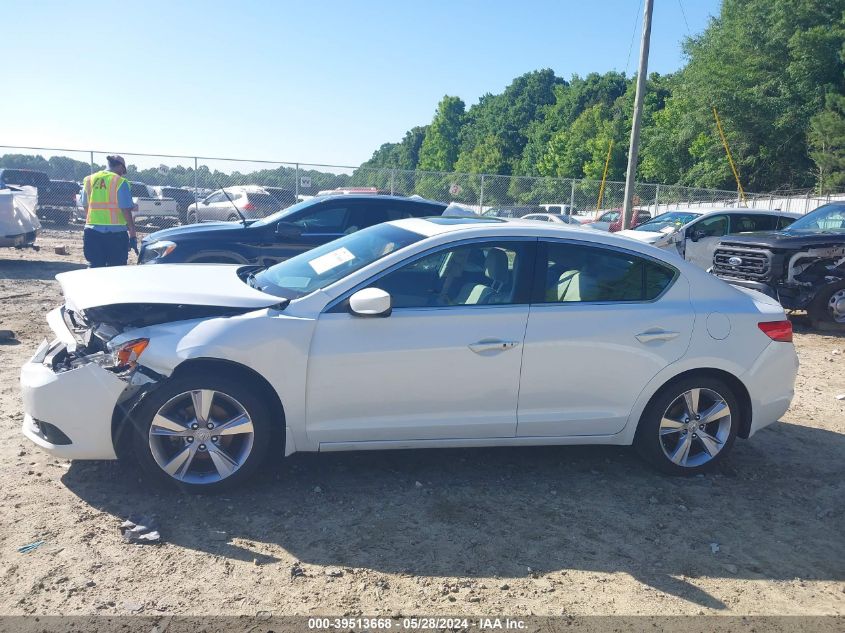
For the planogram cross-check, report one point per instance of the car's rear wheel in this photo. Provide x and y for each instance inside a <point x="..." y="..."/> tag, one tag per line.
<point x="827" y="310"/>
<point x="233" y="217"/>
<point x="689" y="426"/>
<point x="202" y="432"/>
<point x="192" y="217"/>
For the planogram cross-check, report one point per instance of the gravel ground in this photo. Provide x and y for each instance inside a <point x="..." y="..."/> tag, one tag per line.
<point x="547" y="531"/>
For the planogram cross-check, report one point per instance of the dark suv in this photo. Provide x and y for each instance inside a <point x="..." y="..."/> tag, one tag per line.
<point x="802" y="266"/>
<point x="183" y="198"/>
<point x="281" y="235"/>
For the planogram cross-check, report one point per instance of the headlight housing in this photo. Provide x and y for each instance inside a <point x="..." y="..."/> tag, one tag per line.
<point x="124" y="357"/>
<point x="158" y="250"/>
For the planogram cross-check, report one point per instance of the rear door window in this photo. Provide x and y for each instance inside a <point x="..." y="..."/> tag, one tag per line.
<point x="569" y="273"/>
<point x="749" y="222"/>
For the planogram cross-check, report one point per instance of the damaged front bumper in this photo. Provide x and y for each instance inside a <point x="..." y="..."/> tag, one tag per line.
<point x="70" y="398"/>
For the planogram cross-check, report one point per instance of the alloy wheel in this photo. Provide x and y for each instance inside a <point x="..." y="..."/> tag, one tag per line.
<point x="201" y="436"/>
<point x="836" y="306"/>
<point x="695" y="427"/>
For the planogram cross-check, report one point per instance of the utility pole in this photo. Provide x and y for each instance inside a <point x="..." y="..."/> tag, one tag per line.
<point x="633" y="150"/>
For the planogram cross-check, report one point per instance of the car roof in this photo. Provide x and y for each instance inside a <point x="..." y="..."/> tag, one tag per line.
<point x="346" y="197"/>
<point x="515" y="227"/>
<point x="705" y="212"/>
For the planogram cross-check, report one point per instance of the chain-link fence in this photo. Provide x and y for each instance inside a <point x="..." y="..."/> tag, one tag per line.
<point x="171" y="190"/>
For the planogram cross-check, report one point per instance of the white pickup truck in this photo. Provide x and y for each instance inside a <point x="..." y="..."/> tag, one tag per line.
<point x="150" y="207"/>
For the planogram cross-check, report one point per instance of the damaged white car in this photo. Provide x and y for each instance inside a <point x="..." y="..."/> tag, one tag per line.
<point x="19" y="225"/>
<point x="442" y="332"/>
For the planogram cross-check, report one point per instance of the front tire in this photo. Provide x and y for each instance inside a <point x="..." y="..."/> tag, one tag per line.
<point x="689" y="426"/>
<point x="827" y="310"/>
<point x="203" y="432"/>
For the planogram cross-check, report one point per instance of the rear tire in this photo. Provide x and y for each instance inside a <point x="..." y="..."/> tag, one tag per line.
<point x="192" y="217"/>
<point x="670" y="436"/>
<point x="825" y="309"/>
<point x="203" y="432"/>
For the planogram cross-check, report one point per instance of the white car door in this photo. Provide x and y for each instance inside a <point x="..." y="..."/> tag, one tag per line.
<point x="444" y="364"/>
<point x="602" y="324"/>
<point x="702" y="237"/>
<point x="204" y="213"/>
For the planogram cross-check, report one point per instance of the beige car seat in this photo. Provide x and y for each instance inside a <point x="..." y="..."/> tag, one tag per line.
<point x="496" y="271"/>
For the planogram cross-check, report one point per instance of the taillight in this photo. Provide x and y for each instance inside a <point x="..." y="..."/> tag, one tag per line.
<point x="249" y="207"/>
<point x="777" y="330"/>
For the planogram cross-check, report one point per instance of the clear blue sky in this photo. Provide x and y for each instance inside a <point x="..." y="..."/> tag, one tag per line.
<point x="324" y="81"/>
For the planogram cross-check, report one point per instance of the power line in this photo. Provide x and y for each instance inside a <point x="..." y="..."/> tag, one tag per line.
<point x="633" y="36"/>
<point x="684" y="14"/>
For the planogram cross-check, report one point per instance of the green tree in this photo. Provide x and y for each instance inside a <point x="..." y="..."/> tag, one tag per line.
<point x="439" y="149"/>
<point x="827" y="142"/>
<point x="766" y="66"/>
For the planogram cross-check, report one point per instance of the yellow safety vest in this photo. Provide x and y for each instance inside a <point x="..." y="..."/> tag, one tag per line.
<point x="101" y="195"/>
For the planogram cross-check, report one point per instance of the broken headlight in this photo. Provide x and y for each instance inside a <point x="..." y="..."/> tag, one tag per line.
<point x="120" y="358"/>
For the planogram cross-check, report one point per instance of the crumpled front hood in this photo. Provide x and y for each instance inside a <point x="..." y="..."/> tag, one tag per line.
<point x="165" y="284"/>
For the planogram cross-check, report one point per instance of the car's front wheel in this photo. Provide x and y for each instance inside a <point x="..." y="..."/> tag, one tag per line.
<point x="827" y="310"/>
<point x="203" y="432"/>
<point x="689" y="425"/>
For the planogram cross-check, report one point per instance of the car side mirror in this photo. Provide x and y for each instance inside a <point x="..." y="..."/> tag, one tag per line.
<point x="370" y="302"/>
<point x="288" y="230"/>
<point x="696" y="235"/>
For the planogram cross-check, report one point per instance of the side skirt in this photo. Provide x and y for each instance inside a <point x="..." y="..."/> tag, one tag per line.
<point x="573" y="440"/>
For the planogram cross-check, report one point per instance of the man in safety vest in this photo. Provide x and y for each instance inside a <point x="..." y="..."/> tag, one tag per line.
<point x="109" y="227"/>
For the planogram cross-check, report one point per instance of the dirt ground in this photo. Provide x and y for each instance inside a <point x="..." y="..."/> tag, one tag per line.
<point x="547" y="531"/>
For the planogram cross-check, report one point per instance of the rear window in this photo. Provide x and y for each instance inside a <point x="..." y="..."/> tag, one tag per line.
<point x="139" y="190"/>
<point x="264" y="202"/>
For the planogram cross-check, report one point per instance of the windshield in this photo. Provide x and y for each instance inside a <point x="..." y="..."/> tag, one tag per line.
<point x="326" y="264"/>
<point x="279" y="215"/>
<point x="674" y="219"/>
<point x="829" y="218"/>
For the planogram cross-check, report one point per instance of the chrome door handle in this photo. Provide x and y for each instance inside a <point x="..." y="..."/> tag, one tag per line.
<point x="491" y="345"/>
<point x="656" y="335"/>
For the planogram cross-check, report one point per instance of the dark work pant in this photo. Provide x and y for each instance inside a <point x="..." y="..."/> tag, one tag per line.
<point x="105" y="249"/>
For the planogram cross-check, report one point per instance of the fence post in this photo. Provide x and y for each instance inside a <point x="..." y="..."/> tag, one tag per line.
<point x="657" y="199"/>
<point x="92" y="162"/>
<point x="481" y="196"/>
<point x="572" y="197"/>
<point x="393" y="182"/>
<point x="196" y="180"/>
<point x="297" y="182"/>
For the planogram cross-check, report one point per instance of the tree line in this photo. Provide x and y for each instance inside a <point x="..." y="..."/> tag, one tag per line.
<point x="773" y="69"/>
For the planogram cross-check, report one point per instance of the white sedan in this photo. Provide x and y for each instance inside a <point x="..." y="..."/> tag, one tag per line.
<point x="442" y="332"/>
<point x="554" y="218"/>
